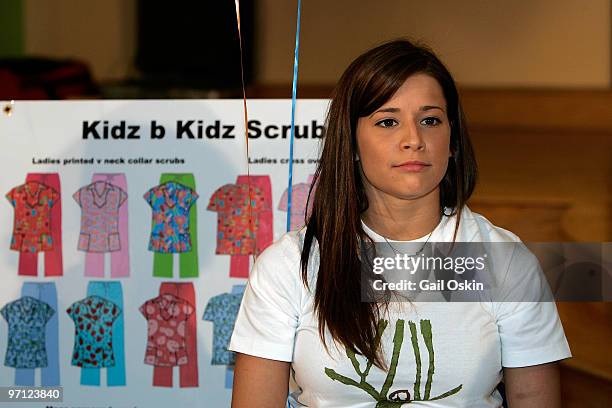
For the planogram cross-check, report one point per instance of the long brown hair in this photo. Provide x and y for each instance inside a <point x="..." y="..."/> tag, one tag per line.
<point x="340" y="199"/>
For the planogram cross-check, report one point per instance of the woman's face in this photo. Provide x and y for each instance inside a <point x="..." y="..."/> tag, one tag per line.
<point x="411" y="126"/>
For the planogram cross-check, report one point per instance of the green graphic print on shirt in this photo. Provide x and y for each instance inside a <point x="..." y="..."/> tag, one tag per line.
<point x="399" y="397"/>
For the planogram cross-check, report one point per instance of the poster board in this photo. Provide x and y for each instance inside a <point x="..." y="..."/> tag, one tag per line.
<point x="143" y="139"/>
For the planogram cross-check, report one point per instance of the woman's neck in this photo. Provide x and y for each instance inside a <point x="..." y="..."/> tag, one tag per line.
<point x="403" y="220"/>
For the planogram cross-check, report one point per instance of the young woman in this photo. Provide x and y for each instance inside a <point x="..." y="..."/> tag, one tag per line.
<point x="397" y="166"/>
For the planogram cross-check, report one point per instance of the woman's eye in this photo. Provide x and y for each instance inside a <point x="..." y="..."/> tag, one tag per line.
<point x="386" y="123"/>
<point x="431" y="121"/>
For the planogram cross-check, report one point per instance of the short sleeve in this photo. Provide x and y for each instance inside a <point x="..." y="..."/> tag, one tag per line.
<point x="211" y="309"/>
<point x="269" y="312"/>
<point x="302" y="198"/>
<point x="11" y="196"/>
<point x="297" y="200"/>
<point x="5" y="312"/>
<point x="191" y="197"/>
<point x="149" y="196"/>
<point x="115" y="311"/>
<point x="144" y="309"/>
<point x="122" y="196"/>
<point x="282" y="204"/>
<point x="77" y="196"/>
<point x="217" y="200"/>
<point x="72" y="311"/>
<point x="530" y="331"/>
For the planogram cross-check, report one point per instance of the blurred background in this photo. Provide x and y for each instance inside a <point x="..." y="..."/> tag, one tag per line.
<point x="535" y="78"/>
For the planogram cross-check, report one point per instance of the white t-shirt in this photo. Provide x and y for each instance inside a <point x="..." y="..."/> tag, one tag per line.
<point x="452" y="353"/>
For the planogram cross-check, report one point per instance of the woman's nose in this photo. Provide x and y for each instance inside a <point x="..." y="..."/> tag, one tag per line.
<point x="412" y="139"/>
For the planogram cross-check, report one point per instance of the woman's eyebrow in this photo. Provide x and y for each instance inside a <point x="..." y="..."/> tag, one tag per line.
<point x="430" y="107"/>
<point x="389" y="110"/>
<point x="423" y="108"/>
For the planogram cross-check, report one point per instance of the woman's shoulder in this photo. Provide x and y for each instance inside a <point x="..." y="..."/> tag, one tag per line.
<point x="480" y="228"/>
<point x="287" y="248"/>
<point x="518" y="267"/>
<point x="282" y="258"/>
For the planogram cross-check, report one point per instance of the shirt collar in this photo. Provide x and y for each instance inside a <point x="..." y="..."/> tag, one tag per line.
<point x="101" y="196"/>
<point x="443" y="232"/>
<point x="166" y="303"/>
<point x="33" y="190"/>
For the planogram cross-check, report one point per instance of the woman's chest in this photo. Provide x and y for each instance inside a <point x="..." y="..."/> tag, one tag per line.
<point x="436" y="352"/>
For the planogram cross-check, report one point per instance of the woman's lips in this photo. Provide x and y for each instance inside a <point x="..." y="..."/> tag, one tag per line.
<point x="412" y="166"/>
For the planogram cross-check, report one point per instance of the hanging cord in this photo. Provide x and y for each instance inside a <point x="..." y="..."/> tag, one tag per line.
<point x="293" y="100"/>
<point x="246" y="129"/>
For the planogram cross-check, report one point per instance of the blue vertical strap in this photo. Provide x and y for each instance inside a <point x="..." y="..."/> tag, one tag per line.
<point x="293" y="98"/>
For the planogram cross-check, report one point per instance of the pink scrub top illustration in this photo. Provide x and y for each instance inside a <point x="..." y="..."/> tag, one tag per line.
<point x="166" y="327"/>
<point x="100" y="202"/>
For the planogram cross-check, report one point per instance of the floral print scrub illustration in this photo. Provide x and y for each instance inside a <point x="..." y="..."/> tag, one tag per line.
<point x="100" y="202"/>
<point x="170" y="203"/>
<point x="93" y="320"/>
<point x="46" y="292"/>
<point x="188" y="372"/>
<point x="112" y="292"/>
<point x="38" y="223"/>
<point x="229" y="370"/>
<point x="32" y="227"/>
<point x="236" y="231"/>
<point x="222" y="310"/>
<point x="26" y="318"/>
<point x="118" y="227"/>
<point x="299" y="198"/>
<point x="166" y="329"/>
<point x="240" y="264"/>
<point x="179" y="235"/>
<point x="98" y="336"/>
